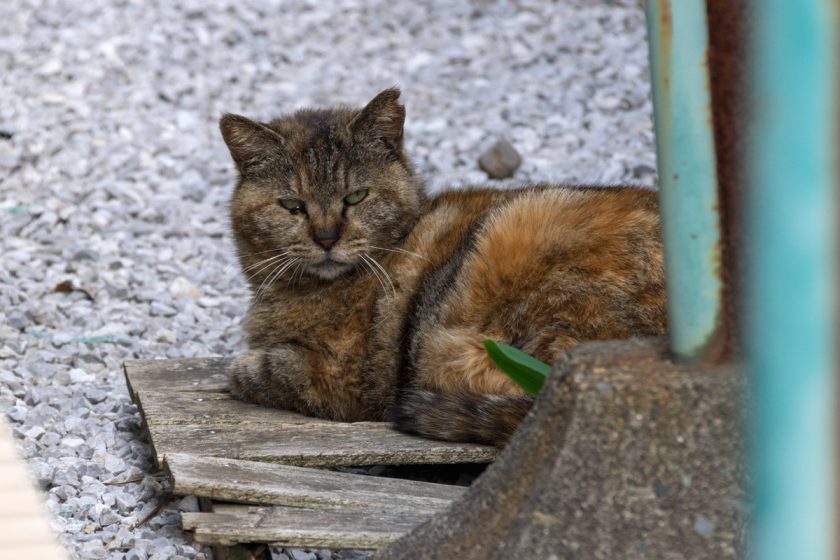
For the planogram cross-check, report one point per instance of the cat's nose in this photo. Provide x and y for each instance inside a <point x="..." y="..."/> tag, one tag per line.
<point x="327" y="237"/>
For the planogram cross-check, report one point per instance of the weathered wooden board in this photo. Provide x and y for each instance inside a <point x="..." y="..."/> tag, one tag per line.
<point x="313" y="445"/>
<point x="185" y="374"/>
<point x="300" y="527"/>
<point x="250" y="482"/>
<point x="221" y="449"/>
<point x="186" y="409"/>
<point x="203" y="408"/>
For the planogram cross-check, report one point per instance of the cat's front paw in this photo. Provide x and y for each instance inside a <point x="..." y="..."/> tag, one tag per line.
<point x="244" y="376"/>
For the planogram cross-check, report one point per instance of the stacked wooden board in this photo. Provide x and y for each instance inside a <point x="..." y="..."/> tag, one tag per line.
<point x="261" y="472"/>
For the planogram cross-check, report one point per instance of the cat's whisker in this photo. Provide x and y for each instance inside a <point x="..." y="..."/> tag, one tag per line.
<point x="233" y="266"/>
<point x="262" y="262"/>
<point x="302" y="272"/>
<point x="271" y="257"/>
<point x="276" y="276"/>
<point x="257" y="293"/>
<point x="297" y="270"/>
<point x="384" y="272"/>
<point x="274" y="264"/>
<point x="418" y="255"/>
<point x="279" y="270"/>
<point x="375" y="273"/>
<point x="291" y="277"/>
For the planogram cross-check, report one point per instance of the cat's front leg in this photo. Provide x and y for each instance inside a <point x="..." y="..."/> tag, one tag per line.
<point x="277" y="378"/>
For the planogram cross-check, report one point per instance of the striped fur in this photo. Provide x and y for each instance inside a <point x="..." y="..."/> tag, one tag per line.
<point x="389" y="324"/>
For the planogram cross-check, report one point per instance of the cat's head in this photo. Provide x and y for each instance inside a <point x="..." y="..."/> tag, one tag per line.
<point x="319" y="190"/>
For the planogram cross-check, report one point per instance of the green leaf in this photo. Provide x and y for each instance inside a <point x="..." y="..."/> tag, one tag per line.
<point x="527" y="371"/>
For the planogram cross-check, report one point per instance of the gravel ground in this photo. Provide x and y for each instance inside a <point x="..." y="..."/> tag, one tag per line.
<point x="113" y="228"/>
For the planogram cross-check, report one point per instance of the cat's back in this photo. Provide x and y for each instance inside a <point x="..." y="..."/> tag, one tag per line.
<point x="518" y="219"/>
<point x="543" y="267"/>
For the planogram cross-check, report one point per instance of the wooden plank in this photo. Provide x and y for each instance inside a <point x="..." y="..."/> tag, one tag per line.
<point x="316" y="444"/>
<point x="251" y="482"/>
<point x="199" y="408"/>
<point x="185" y="374"/>
<point x="186" y="409"/>
<point x="300" y="527"/>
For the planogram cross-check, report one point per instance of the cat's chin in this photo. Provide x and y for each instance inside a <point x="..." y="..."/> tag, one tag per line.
<point x="328" y="269"/>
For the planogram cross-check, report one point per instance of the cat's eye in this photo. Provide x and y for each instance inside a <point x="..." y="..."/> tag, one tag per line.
<point x="293" y="205"/>
<point x="355" y="197"/>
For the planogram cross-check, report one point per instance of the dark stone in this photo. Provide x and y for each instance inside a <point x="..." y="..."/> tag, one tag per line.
<point x="649" y="469"/>
<point x="500" y="161"/>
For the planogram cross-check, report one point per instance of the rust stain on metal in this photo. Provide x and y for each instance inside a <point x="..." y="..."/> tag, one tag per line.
<point x="666" y="18"/>
<point x="666" y="38"/>
<point x="727" y="76"/>
<point x="716" y="258"/>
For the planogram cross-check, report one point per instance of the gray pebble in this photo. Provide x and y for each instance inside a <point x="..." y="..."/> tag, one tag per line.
<point x="135" y="554"/>
<point x="17" y="320"/>
<point x="189" y="503"/>
<point x="17" y="413"/>
<point x="501" y="160"/>
<point x="80" y="376"/>
<point x="60" y="339"/>
<point x="161" y="309"/>
<point x="109" y="517"/>
<point x="125" y="502"/>
<point x="42" y="471"/>
<point x="94" y="395"/>
<point x="85" y="255"/>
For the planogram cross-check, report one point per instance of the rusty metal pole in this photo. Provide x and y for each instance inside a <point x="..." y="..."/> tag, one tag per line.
<point x="685" y="147"/>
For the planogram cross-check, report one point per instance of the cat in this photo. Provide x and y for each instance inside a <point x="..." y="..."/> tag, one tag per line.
<point x="371" y="299"/>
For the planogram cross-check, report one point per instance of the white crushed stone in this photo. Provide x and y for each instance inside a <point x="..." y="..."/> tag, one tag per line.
<point x="113" y="176"/>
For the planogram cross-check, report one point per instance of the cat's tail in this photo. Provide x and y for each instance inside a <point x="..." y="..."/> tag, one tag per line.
<point x="461" y="416"/>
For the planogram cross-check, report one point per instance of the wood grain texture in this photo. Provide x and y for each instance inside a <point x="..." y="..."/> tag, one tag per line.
<point x="186" y="409"/>
<point x="256" y="483"/>
<point x="202" y="408"/>
<point x="184" y="374"/>
<point x="314" y="444"/>
<point x="300" y="527"/>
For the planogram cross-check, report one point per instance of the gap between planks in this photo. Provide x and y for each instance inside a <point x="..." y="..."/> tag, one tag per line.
<point x="256" y="483"/>
<point x="313" y="508"/>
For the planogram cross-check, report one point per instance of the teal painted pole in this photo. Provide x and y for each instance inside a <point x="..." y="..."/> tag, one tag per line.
<point x="792" y="280"/>
<point x="678" y="42"/>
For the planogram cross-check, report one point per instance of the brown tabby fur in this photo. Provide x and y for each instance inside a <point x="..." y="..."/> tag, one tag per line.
<point x="397" y="334"/>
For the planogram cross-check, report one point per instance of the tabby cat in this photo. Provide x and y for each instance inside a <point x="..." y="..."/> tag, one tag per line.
<point x="371" y="300"/>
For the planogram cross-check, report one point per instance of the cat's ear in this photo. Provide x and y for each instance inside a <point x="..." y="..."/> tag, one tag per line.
<point x="381" y="120"/>
<point x="247" y="140"/>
